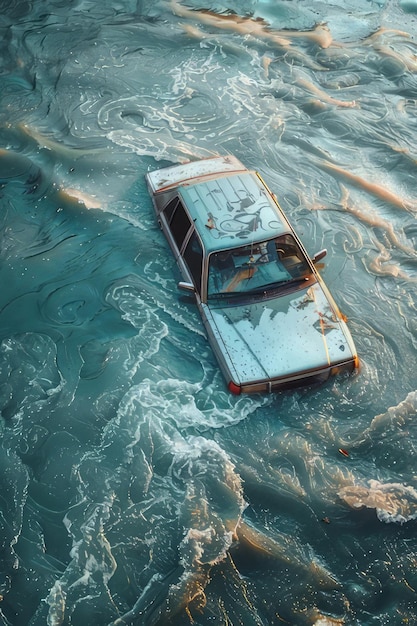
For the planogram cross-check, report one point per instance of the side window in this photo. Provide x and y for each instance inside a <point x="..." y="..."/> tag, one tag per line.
<point x="180" y="224"/>
<point x="193" y="256"/>
<point x="170" y="208"/>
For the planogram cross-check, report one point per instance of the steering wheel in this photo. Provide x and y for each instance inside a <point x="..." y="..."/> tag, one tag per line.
<point x="262" y="259"/>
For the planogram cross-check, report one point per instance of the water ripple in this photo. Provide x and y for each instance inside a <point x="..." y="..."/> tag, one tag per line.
<point x="134" y="486"/>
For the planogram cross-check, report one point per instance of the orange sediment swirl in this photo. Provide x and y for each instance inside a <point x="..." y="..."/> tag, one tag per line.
<point x="376" y="190"/>
<point x="323" y="96"/>
<point x="257" y="27"/>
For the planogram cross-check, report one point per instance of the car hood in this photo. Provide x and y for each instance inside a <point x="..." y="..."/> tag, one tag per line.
<point x="281" y="336"/>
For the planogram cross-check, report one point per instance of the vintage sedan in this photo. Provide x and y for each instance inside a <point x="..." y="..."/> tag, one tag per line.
<point x="269" y="317"/>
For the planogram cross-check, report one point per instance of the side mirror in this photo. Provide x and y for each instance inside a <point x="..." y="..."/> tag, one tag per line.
<point x="186" y="286"/>
<point x="319" y="256"/>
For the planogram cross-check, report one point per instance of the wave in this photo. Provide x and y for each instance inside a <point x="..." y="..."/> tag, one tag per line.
<point x="393" y="502"/>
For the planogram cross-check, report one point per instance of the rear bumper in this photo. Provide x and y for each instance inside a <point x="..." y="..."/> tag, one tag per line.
<point x="303" y="379"/>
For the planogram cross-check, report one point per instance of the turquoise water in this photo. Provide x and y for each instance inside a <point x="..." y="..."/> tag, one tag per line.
<point x="134" y="488"/>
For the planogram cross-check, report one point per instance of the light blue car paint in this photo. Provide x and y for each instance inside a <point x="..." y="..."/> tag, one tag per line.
<point x="269" y="317"/>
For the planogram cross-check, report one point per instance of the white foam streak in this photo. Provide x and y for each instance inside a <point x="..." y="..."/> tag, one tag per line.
<point x="397" y="415"/>
<point x="161" y="145"/>
<point x="56" y="600"/>
<point x="393" y="502"/>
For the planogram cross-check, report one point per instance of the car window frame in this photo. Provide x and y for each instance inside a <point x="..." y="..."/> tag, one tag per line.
<point x="287" y="241"/>
<point x="166" y="216"/>
<point x="179" y="236"/>
<point x="201" y="283"/>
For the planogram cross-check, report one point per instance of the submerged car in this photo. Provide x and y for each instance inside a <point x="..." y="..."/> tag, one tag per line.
<point x="269" y="317"/>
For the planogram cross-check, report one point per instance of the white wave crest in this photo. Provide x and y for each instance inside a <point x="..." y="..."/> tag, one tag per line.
<point x="393" y="502"/>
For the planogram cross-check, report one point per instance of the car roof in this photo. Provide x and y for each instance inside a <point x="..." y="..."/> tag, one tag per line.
<point x="233" y="210"/>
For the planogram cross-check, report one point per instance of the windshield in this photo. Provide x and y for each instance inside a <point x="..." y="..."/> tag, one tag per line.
<point x="257" y="267"/>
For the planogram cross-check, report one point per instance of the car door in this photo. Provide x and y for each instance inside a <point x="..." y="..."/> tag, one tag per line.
<point x="184" y="242"/>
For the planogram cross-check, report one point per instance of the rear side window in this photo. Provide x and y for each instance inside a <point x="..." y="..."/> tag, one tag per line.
<point x="193" y="256"/>
<point x="178" y="220"/>
<point x="170" y="209"/>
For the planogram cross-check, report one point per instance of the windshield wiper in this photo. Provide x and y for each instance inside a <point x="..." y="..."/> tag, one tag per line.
<point x="279" y="283"/>
<point x="250" y="292"/>
<point x="226" y="294"/>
